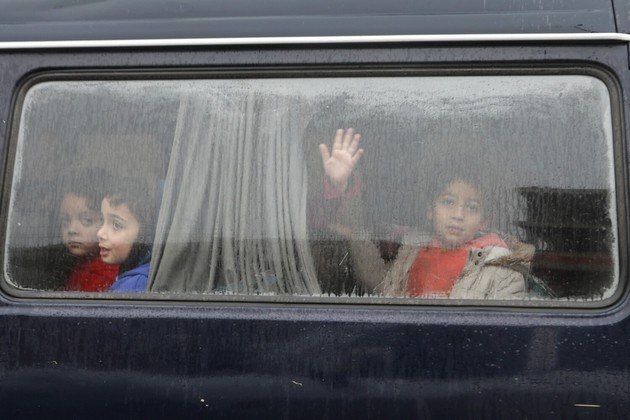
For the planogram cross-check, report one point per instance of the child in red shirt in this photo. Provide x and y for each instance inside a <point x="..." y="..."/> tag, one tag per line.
<point x="80" y="220"/>
<point x="458" y="219"/>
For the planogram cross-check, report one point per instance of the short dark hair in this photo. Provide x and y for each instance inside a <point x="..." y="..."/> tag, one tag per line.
<point x="87" y="183"/>
<point x="141" y="199"/>
<point x="443" y="178"/>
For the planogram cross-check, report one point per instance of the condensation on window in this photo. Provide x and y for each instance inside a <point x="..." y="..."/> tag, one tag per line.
<point x="408" y="188"/>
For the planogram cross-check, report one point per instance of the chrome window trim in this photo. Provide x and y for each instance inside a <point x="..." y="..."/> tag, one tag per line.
<point x="307" y="40"/>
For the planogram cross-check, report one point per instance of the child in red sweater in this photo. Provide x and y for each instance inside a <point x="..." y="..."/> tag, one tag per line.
<point x="458" y="221"/>
<point x="80" y="220"/>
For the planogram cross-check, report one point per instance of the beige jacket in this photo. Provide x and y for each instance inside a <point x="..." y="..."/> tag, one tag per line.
<point x="489" y="273"/>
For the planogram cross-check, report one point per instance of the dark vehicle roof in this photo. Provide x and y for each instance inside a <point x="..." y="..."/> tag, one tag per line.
<point x="58" y="20"/>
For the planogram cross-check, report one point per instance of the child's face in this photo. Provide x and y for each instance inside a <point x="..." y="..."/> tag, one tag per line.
<point x="119" y="232"/>
<point x="79" y="225"/>
<point x="457" y="214"/>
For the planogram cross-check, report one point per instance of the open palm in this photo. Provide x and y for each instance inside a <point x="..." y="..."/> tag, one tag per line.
<point x="344" y="156"/>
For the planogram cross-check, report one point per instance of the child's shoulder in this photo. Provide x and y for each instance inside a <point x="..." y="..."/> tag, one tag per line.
<point x="134" y="280"/>
<point x="488" y="239"/>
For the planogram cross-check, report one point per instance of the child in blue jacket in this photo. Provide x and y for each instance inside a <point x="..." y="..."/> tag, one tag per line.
<point x="126" y="237"/>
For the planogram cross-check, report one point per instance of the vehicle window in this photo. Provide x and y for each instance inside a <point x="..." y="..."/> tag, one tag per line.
<point x="406" y="188"/>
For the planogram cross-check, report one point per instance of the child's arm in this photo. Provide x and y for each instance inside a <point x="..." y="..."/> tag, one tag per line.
<point x="369" y="266"/>
<point x="339" y="162"/>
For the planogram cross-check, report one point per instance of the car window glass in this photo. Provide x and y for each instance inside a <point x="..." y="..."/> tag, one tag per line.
<point x="462" y="187"/>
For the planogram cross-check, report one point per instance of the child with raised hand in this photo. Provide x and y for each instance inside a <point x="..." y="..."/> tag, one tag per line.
<point x="80" y="220"/>
<point x="125" y="239"/>
<point x="458" y="259"/>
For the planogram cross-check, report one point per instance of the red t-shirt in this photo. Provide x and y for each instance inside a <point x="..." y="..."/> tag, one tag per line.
<point x="92" y="276"/>
<point x="435" y="270"/>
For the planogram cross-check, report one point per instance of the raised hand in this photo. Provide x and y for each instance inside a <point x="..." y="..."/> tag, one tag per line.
<point x="340" y="162"/>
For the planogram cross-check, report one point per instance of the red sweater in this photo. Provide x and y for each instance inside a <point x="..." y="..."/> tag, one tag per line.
<point x="435" y="270"/>
<point x="92" y="276"/>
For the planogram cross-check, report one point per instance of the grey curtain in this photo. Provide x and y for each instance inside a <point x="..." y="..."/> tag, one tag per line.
<point x="233" y="215"/>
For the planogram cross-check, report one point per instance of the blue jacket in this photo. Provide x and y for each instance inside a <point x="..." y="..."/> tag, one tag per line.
<point x="134" y="280"/>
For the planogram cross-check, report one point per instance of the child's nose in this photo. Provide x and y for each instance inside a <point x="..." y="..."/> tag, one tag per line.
<point x="73" y="228"/>
<point x="458" y="212"/>
<point x="100" y="234"/>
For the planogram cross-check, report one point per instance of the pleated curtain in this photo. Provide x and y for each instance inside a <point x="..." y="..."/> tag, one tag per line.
<point x="233" y="215"/>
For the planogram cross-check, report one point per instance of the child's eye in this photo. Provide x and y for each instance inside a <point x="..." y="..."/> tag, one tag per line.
<point x="473" y="207"/>
<point x="117" y="225"/>
<point x="447" y="201"/>
<point x="65" y="221"/>
<point x="87" y="221"/>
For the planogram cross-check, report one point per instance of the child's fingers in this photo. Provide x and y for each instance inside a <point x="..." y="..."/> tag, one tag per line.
<point x="337" y="141"/>
<point x="323" y="150"/>
<point x="347" y="138"/>
<point x="357" y="156"/>
<point x="354" y="144"/>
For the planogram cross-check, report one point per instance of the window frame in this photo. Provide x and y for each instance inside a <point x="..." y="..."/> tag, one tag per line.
<point x="322" y="71"/>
